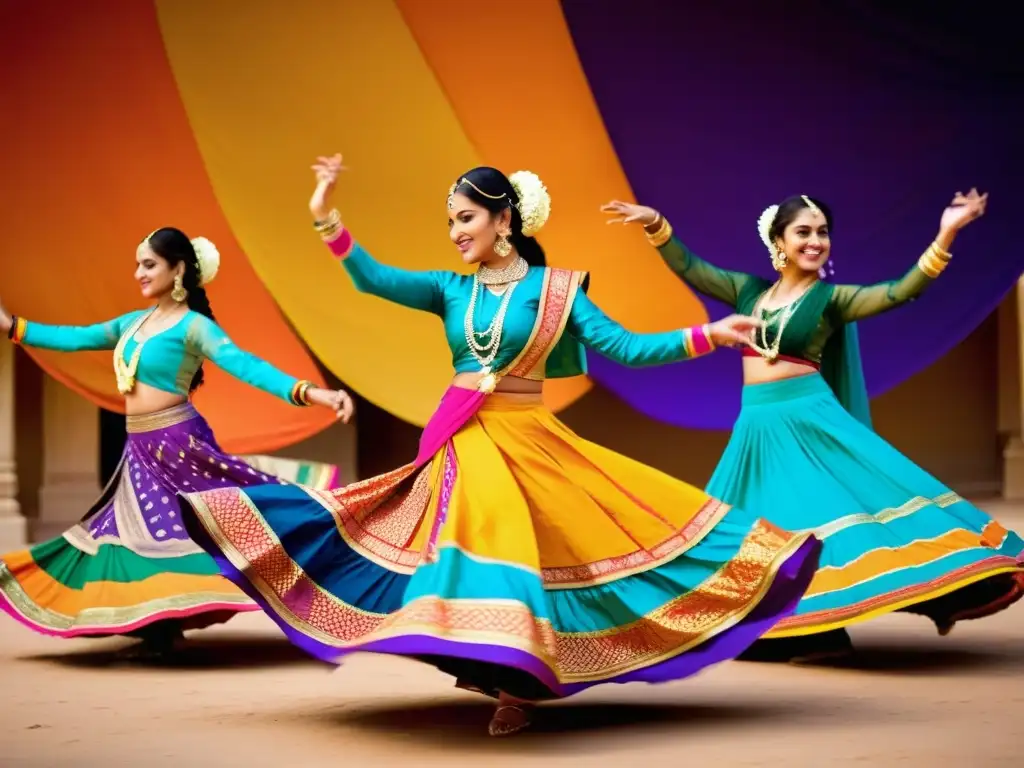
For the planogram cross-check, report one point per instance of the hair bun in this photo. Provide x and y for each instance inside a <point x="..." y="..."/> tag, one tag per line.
<point x="207" y="259"/>
<point x="534" y="201"/>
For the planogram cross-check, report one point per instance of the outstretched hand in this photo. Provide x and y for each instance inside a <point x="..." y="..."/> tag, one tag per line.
<point x="327" y="170"/>
<point x="338" y="400"/>
<point x="6" y="321"/>
<point x="963" y="210"/>
<point x="734" y="331"/>
<point x="629" y="213"/>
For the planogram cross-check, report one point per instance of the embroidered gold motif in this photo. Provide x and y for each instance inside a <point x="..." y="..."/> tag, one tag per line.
<point x="678" y="625"/>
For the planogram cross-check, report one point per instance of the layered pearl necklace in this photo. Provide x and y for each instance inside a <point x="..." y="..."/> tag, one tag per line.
<point x="485" y="350"/>
<point x="771" y="353"/>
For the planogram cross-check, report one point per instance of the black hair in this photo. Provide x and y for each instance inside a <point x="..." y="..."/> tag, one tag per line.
<point x="499" y="194"/>
<point x="173" y="246"/>
<point x="790" y="208"/>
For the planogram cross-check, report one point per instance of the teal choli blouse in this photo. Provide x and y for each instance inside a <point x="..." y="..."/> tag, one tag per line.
<point x="447" y="294"/>
<point x="170" y="358"/>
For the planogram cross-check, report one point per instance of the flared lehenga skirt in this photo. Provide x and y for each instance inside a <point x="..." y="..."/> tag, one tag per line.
<point x="512" y="554"/>
<point x="130" y="562"/>
<point x="894" y="537"/>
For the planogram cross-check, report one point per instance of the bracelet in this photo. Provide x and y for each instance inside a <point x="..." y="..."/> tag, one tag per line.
<point x="17" y="330"/>
<point x="934" y="260"/>
<point x="329" y="226"/>
<point x="662" y="235"/>
<point x="706" y="330"/>
<point x="697" y="341"/>
<point x="300" y="390"/>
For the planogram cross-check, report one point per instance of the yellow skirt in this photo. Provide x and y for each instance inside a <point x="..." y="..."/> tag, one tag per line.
<point x="516" y="556"/>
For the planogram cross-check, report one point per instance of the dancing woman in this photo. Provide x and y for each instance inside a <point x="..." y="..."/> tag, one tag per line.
<point x="803" y="453"/>
<point x="129" y="568"/>
<point x="512" y="554"/>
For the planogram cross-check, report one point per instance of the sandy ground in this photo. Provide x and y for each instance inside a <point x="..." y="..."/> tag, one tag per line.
<point x="242" y="696"/>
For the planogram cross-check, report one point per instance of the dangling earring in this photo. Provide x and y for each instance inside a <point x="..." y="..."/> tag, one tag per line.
<point x="179" y="294"/>
<point x="502" y="246"/>
<point x="779" y="260"/>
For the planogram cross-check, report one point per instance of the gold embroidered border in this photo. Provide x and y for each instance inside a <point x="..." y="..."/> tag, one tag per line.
<point x="613" y="568"/>
<point x="169" y="417"/>
<point x="108" y="619"/>
<point x="719" y="603"/>
<point x="915" y="504"/>
<point x="552" y="316"/>
<point x="835" y="618"/>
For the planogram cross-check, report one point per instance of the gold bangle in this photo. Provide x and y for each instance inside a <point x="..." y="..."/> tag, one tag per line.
<point x="332" y="222"/>
<point x="931" y="263"/>
<point x="328" y="233"/>
<point x="299" y="392"/>
<point x="940" y="252"/>
<point x="706" y="330"/>
<point x="662" y="236"/>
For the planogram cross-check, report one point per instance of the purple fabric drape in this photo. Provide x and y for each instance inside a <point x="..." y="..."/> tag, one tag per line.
<point x="718" y="110"/>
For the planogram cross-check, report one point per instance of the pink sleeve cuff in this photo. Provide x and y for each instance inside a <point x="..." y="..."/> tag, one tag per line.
<point x="341" y="244"/>
<point x="697" y="341"/>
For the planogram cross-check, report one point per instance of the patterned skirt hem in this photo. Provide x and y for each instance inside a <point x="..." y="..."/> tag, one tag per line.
<point x="194" y="611"/>
<point x="523" y="672"/>
<point x="907" y="598"/>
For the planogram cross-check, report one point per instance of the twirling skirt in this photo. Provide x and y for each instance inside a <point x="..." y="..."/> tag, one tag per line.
<point x="895" y="538"/>
<point x="130" y="562"/>
<point x="511" y="554"/>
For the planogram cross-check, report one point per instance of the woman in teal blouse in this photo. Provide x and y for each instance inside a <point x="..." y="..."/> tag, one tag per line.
<point x="130" y="567"/>
<point x="803" y="453"/>
<point x="510" y="553"/>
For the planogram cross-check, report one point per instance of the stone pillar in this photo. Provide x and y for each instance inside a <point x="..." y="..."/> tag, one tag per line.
<point x="13" y="529"/>
<point x="1013" y="452"/>
<point x="71" y="439"/>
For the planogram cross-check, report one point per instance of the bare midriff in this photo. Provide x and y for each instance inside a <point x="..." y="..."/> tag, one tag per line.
<point x="506" y="384"/>
<point x="757" y="370"/>
<point x="145" y="399"/>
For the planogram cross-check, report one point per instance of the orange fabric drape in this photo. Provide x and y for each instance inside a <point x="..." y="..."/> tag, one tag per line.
<point x="98" y="152"/>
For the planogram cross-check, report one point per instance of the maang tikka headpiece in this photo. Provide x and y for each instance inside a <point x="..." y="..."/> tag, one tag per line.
<point x="534" y="204"/>
<point x="764" y="228"/>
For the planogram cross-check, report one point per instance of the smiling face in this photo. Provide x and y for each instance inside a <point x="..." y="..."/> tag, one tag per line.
<point x="153" y="273"/>
<point x="806" y="240"/>
<point x="474" y="229"/>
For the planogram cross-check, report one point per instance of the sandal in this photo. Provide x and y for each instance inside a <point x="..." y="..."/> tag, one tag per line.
<point x="501" y="726"/>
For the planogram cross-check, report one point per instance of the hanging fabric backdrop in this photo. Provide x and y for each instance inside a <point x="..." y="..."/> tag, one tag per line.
<point x="208" y="113"/>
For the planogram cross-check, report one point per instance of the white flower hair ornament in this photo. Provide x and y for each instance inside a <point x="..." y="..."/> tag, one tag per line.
<point x="764" y="227"/>
<point x="534" y="201"/>
<point x="207" y="259"/>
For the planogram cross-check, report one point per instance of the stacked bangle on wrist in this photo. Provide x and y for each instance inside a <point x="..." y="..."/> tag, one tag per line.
<point x="662" y="234"/>
<point x="330" y="226"/>
<point x="17" y="330"/>
<point x="300" y="392"/>
<point x="934" y="260"/>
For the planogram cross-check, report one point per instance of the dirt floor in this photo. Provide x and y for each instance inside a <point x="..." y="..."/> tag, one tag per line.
<point x="242" y="696"/>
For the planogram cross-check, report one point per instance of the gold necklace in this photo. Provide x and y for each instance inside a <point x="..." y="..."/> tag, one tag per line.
<point x="124" y="372"/>
<point x="510" y="273"/>
<point x="771" y="353"/>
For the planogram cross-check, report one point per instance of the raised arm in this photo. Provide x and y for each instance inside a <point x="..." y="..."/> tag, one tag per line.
<point x="423" y="290"/>
<point x="68" y="338"/>
<point x="595" y="330"/>
<point x="211" y="342"/>
<point x="856" y="302"/>
<point x="721" y="284"/>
